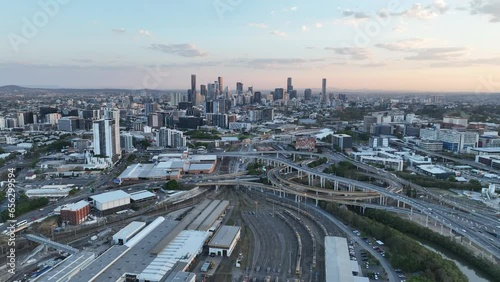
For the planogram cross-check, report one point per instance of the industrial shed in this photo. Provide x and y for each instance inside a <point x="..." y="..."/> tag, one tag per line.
<point x="110" y="202"/>
<point x="224" y="241"/>
<point x="143" y="197"/>
<point x="121" y="237"/>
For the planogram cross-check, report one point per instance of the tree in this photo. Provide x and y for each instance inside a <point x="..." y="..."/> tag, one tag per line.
<point x="172" y="185"/>
<point x="452" y="178"/>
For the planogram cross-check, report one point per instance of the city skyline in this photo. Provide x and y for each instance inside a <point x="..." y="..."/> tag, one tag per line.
<point x="437" y="46"/>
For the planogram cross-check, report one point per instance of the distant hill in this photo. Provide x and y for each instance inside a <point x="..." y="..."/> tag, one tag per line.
<point x="12" y="88"/>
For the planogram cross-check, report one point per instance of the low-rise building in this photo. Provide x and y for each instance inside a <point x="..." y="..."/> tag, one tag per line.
<point x="435" y="171"/>
<point x="224" y="241"/>
<point x="76" y="213"/>
<point x="110" y="202"/>
<point x="126" y="233"/>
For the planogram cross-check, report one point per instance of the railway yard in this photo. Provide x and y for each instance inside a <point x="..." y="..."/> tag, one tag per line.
<point x="280" y="242"/>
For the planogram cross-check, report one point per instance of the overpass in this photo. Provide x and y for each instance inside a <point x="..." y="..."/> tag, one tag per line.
<point x="423" y="207"/>
<point x="52" y="244"/>
<point x="340" y="200"/>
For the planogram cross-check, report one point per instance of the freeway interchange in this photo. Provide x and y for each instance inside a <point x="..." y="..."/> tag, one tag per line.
<point x="481" y="229"/>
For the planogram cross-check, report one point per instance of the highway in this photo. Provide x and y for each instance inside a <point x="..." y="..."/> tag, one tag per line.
<point x="424" y="207"/>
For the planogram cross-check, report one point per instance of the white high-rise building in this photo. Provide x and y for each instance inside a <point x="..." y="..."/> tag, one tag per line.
<point x="127" y="141"/>
<point x="166" y="137"/>
<point x="107" y="137"/>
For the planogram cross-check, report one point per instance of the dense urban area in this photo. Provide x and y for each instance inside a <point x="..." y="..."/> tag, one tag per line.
<point x="216" y="184"/>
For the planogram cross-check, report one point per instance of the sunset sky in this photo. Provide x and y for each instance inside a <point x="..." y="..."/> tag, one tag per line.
<point x="437" y="45"/>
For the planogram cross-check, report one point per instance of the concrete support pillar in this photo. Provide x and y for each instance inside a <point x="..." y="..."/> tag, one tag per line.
<point x="426" y="221"/>
<point x="216" y="188"/>
<point x="293" y="157"/>
<point x="317" y="202"/>
<point x="336" y="185"/>
<point x="398" y="203"/>
<point x="441" y="229"/>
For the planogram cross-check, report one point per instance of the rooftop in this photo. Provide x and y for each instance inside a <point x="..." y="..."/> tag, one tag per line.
<point x="121" y="259"/>
<point x="432" y="169"/>
<point x="487" y="150"/>
<point x="76" y="206"/>
<point x="144" y="194"/>
<point x="224" y="237"/>
<point x="130" y="229"/>
<point x="110" y="196"/>
<point x="184" y="248"/>
<point x="337" y="263"/>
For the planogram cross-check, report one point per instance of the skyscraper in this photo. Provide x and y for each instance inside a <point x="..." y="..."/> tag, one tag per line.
<point x="239" y="87"/>
<point x="192" y="97"/>
<point x="203" y="90"/>
<point x="221" y="85"/>
<point x="257" y="97"/>
<point x="289" y="86"/>
<point x="107" y="135"/>
<point x="324" y="96"/>
<point x="278" y="94"/>
<point x="308" y="94"/>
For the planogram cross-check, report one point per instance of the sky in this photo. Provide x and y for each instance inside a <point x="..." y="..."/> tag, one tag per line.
<point x="393" y="45"/>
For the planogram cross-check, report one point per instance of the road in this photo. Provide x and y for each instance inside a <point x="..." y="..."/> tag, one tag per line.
<point x="424" y="207"/>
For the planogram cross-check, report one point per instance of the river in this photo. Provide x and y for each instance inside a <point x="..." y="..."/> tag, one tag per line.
<point x="472" y="274"/>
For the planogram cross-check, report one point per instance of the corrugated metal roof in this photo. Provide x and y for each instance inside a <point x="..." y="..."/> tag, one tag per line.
<point x="110" y="196"/>
<point x="129" y="230"/>
<point x="224" y="237"/>
<point x="183" y="248"/>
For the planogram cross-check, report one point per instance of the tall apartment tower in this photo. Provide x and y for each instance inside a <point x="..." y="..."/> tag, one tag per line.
<point x="239" y="88"/>
<point x="192" y="97"/>
<point x="106" y="135"/>
<point x="220" y="81"/>
<point x="324" y="96"/>
<point x="289" y="86"/>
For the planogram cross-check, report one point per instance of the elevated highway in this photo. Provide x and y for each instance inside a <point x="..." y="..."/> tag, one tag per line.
<point x="273" y="158"/>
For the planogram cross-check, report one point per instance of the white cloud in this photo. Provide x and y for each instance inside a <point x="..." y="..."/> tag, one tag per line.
<point x="278" y="33"/>
<point x="399" y="29"/>
<point x="118" y="30"/>
<point x="318" y="25"/>
<point x="490" y="8"/>
<point x="183" y="50"/>
<point x="418" y="11"/>
<point x="144" y="32"/>
<point x="404" y="45"/>
<point x="258" y="25"/>
<point x="441" y="6"/>
<point x="291" y="9"/>
<point x="355" y="14"/>
<point x="354" y="53"/>
<point x="438" y="54"/>
<point x="304" y="28"/>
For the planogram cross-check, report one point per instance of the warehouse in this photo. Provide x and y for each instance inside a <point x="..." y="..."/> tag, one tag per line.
<point x="435" y="171"/>
<point x="69" y="267"/>
<point x="224" y="241"/>
<point x="213" y="216"/>
<point x="179" y="253"/>
<point x="206" y="212"/>
<point x="76" y="213"/>
<point x="50" y="191"/>
<point x="141" y="198"/>
<point x="110" y="202"/>
<point x="181" y="276"/>
<point x="338" y="266"/>
<point x="129" y="259"/>
<point x="121" y="237"/>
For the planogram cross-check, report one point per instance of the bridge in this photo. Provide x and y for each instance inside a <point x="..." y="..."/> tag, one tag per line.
<point x="52" y="244"/>
<point x="424" y="208"/>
